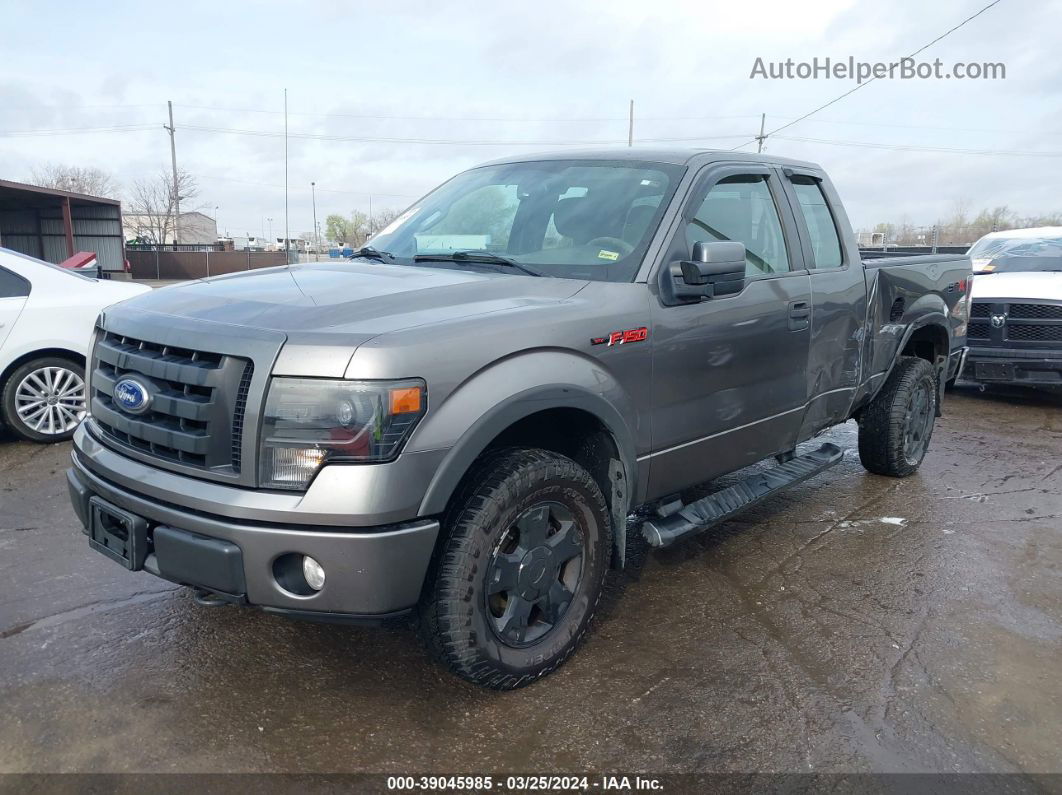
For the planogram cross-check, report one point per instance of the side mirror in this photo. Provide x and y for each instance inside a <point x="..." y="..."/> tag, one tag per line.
<point x="714" y="270"/>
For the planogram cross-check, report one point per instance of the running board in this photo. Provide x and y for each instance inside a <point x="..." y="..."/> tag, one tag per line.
<point x="663" y="531"/>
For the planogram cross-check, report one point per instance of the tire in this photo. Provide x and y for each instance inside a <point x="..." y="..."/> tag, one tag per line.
<point x="515" y="584"/>
<point x="44" y="399"/>
<point x="895" y="429"/>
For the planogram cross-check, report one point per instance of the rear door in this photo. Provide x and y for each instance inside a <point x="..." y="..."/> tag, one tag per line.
<point x="728" y="373"/>
<point x="13" y="293"/>
<point x="838" y="297"/>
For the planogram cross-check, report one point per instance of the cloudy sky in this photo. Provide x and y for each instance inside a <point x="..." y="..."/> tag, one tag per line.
<point x="389" y="99"/>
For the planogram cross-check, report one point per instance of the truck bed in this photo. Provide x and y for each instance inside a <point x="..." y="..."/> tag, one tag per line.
<point x="906" y="292"/>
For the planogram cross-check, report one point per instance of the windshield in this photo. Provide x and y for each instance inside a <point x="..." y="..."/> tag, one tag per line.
<point x="1010" y="254"/>
<point x="573" y="219"/>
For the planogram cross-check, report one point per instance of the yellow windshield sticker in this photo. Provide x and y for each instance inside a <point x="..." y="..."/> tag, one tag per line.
<point x="609" y="255"/>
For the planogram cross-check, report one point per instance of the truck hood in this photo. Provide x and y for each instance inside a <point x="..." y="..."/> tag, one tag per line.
<point x="353" y="301"/>
<point x="1043" y="285"/>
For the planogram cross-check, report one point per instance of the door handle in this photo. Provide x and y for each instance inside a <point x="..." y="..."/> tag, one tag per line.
<point x="799" y="315"/>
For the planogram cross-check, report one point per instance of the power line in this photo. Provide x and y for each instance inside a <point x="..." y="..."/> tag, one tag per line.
<point x="82" y="107"/>
<point x="916" y="148"/>
<point x="929" y="127"/>
<point x="446" y="141"/>
<point x="366" y="139"/>
<point x="518" y="119"/>
<point x="851" y="91"/>
<point x="76" y="130"/>
<point x="318" y="188"/>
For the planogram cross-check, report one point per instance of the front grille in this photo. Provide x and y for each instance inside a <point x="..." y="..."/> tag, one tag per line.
<point x="1029" y="333"/>
<point x="198" y="399"/>
<point x="1020" y="325"/>
<point x="1036" y="311"/>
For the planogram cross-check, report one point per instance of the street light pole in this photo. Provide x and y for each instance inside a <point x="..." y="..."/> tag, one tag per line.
<point x="316" y="238"/>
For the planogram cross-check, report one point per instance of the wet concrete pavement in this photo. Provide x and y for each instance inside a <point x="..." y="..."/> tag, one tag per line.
<point x="856" y="623"/>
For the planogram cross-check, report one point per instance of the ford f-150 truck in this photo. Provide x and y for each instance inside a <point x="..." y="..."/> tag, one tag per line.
<point x="508" y="389"/>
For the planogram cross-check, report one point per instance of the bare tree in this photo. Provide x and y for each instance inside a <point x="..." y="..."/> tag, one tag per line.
<point x="153" y="203"/>
<point x="382" y="217"/>
<point x="75" y="179"/>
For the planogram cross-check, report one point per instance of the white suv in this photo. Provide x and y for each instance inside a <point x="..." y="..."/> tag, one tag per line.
<point x="46" y="319"/>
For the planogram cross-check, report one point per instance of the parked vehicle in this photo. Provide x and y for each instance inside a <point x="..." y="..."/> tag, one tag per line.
<point x="481" y="413"/>
<point x="46" y="318"/>
<point x="1016" y="317"/>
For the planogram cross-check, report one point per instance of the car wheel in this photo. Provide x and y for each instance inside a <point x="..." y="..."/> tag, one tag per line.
<point x="44" y="399"/>
<point x="516" y="581"/>
<point x="895" y="429"/>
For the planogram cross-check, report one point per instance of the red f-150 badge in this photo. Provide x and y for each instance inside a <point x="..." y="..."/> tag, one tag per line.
<point x="621" y="337"/>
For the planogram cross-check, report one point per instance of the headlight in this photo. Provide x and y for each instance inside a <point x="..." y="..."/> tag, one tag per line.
<point x="310" y="421"/>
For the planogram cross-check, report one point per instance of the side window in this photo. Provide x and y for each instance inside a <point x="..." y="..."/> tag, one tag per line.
<point x="825" y="243"/>
<point x="12" y="285"/>
<point x="741" y="208"/>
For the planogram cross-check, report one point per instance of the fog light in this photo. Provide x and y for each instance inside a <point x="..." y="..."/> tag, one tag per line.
<point x="312" y="571"/>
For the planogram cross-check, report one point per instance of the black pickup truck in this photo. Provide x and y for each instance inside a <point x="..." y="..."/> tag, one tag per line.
<point x="483" y="411"/>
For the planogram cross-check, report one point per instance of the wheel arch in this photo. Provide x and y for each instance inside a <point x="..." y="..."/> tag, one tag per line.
<point x="583" y="417"/>
<point x="927" y="340"/>
<point x="533" y="418"/>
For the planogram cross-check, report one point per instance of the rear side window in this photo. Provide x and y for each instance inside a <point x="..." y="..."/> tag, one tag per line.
<point x="12" y="285"/>
<point x="740" y="208"/>
<point x="825" y="243"/>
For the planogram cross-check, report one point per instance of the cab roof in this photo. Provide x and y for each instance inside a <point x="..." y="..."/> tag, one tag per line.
<point x="672" y="156"/>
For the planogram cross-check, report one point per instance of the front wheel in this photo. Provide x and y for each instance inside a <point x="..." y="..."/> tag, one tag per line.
<point x="519" y="576"/>
<point x="44" y="399"/>
<point x="895" y="429"/>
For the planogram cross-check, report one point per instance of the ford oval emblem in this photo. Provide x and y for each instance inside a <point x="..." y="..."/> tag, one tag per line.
<point x="132" y="396"/>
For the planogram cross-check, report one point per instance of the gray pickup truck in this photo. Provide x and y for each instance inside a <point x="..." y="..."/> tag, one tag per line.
<point x="509" y="391"/>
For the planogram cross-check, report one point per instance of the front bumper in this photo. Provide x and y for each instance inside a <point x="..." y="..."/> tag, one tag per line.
<point x="1012" y="366"/>
<point x="371" y="572"/>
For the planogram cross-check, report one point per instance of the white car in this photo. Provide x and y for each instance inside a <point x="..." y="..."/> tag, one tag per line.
<point x="46" y="318"/>
<point x="1015" y="330"/>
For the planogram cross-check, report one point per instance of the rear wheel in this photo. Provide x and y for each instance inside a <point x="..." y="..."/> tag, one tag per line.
<point x="519" y="576"/>
<point x="895" y="429"/>
<point x="44" y="399"/>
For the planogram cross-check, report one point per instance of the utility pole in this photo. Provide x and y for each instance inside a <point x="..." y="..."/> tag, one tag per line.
<point x="316" y="236"/>
<point x="630" y="126"/>
<point x="287" y="233"/>
<point x="761" y="137"/>
<point x="176" y="187"/>
<point x="370" y="215"/>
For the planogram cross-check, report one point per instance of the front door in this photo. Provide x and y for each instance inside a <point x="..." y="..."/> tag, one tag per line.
<point x="729" y="384"/>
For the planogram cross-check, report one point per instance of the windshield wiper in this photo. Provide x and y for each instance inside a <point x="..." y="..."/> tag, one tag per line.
<point x="368" y="252"/>
<point x="484" y="257"/>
